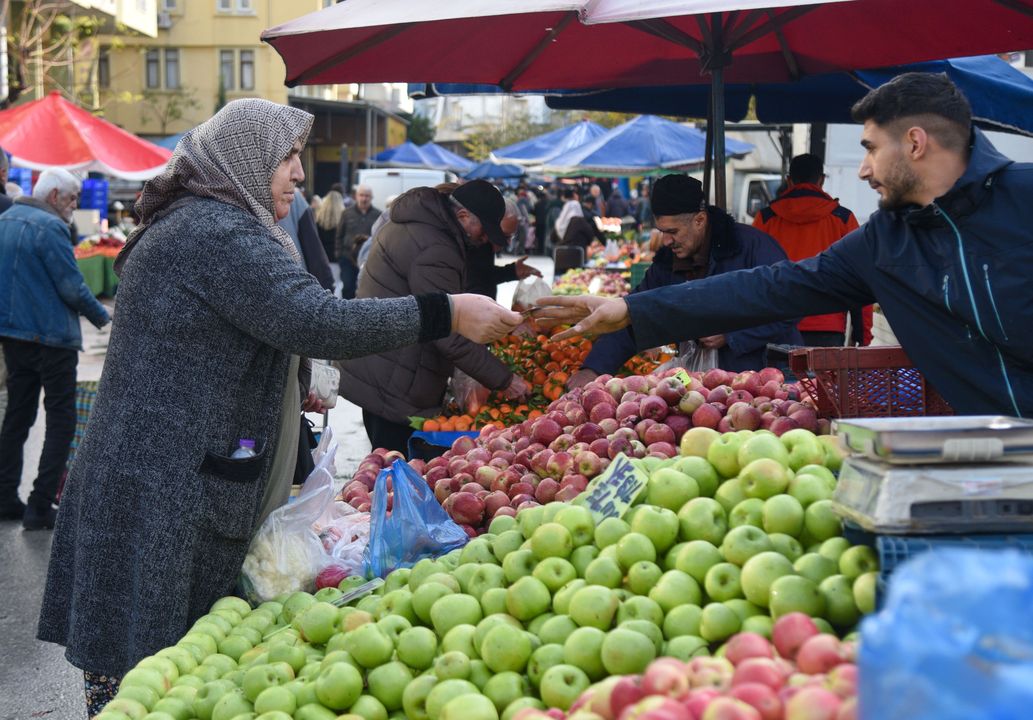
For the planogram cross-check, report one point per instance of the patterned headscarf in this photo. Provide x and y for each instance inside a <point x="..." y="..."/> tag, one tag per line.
<point x="231" y="158"/>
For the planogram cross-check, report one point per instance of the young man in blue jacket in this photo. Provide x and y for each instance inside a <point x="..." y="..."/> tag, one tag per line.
<point x="43" y="295"/>
<point x="700" y="241"/>
<point x="948" y="257"/>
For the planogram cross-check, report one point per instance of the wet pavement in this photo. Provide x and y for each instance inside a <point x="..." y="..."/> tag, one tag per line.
<point x="35" y="679"/>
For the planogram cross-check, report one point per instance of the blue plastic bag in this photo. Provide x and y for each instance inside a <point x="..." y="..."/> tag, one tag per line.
<point x="418" y="526"/>
<point x="955" y="640"/>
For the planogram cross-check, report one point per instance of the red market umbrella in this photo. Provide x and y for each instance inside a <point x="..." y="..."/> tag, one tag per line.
<point x="55" y="133"/>
<point x="571" y="44"/>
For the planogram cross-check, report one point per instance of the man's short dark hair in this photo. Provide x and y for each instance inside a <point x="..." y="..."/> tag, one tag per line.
<point x="930" y="100"/>
<point x="806" y="168"/>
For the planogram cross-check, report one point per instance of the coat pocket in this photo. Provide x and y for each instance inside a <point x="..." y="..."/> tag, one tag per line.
<point x="231" y="493"/>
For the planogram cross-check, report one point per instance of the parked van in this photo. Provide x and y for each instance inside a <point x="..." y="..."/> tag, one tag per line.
<point x="386" y="183"/>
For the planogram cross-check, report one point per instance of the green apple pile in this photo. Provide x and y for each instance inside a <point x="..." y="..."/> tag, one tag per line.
<point x="731" y="535"/>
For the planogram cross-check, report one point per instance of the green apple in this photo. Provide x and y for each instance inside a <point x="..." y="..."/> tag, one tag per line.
<point x="730" y="493"/>
<point x="461" y="638"/>
<point x="506" y="649"/>
<point x="840" y="608"/>
<point x="452" y="665"/>
<point x="478" y="551"/>
<point x="634" y="547"/>
<point x="146" y="696"/>
<point x="824" y="626"/>
<point x="723" y="454"/>
<point x="702" y="519"/>
<point x="473" y="707"/>
<point x="718" y="622"/>
<point x="554" y="572"/>
<point x="760" y="572"/>
<point x="231" y="705"/>
<point x="315" y="711"/>
<point x="670" y="561"/>
<point x="338" y="686"/>
<point x="176" y="708"/>
<point x="416" y="647"/>
<point x="743" y="542"/>
<point x="815" y="567"/>
<point x="594" y="606"/>
<point x="463" y="574"/>
<point x="293" y="655"/>
<point x="368" y="707"/>
<point x="864" y="590"/>
<point x="527" y="598"/>
<point x="821" y="520"/>
<point x="551" y="510"/>
<point x="760" y="624"/>
<point x="551" y="540"/>
<point x="642" y="576"/>
<point x="626" y="652"/>
<point x="259" y="678"/>
<point x="542" y="659"/>
<point x="316" y="623"/>
<point x="506" y="687"/>
<point x="493" y="601"/>
<point x="682" y="620"/>
<point x="208" y="695"/>
<point x="675" y="588"/>
<point x="804" y="448"/>
<point x="276" y="699"/>
<point x="748" y="512"/>
<point x="518" y="564"/>
<point x="396" y="579"/>
<point x="763" y="446"/>
<point x="638" y="607"/>
<point x="502" y="523"/>
<point x="529" y="519"/>
<point x="445" y="691"/>
<point x="422" y="570"/>
<point x="295" y="603"/>
<point x="582" y="556"/>
<point x="369" y="645"/>
<point x="339" y="656"/>
<point x="783" y="514"/>
<point x="610" y="551"/>
<point x="647" y="628"/>
<point x="697" y="440"/>
<point x="686" y="647"/>
<point x="148" y="677"/>
<point x="836" y="451"/>
<point x="414" y="697"/>
<point x="858" y="560"/>
<point x="659" y="524"/>
<point x="561" y="600"/>
<point x="562" y="685"/>
<point x="557" y="629"/>
<point x="235" y="645"/>
<point x="696" y="558"/>
<point x="764" y="478"/>
<point x="604" y="571"/>
<point x="670" y="488"/>
<point x="786" y="545"/>
<point x="833" y="548"/>
<point x="723" y="582"/>
<point x="609" y="531"/>
<point x="795" y="593"/>
<point x="809" y="488"/>
<point x="580" y="523"/>
<point x="452" y="610"/>
<point x="517" y="705"/>
<point x="583" y="649"/>
<point x="743" y="608"/>
<point x="486" y="577"/>
<point x="186" y="662"/>
<point x="699" y="469"/>
<point x="394" y="625"/>
<point x="424" y="597"/>
<point x="492" y="621"/>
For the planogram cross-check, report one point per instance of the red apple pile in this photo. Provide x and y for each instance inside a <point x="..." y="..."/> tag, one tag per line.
<point x="358" y="492"/>
<point x="802" y="675"/>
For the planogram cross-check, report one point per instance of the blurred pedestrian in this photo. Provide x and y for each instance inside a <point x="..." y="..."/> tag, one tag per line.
<point x="328" y="219"/>
<point x="44" y="294"/>
<point x="355" y="220"/>
<point x="483" y="274"/>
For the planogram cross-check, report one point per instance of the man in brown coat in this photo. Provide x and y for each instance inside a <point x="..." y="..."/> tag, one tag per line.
<point x="423" y="248"/>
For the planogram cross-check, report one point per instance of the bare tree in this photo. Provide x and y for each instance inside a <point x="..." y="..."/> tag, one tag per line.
<point x="167" y="107"/>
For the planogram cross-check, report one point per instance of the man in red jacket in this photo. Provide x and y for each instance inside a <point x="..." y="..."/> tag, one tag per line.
<point x="805" y="220"/>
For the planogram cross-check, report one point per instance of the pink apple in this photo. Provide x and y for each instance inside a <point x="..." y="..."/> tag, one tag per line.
<point x="719" y="394"/>
<point x="588" y="463"/>
<point x="783" y="425"/>
<point x="706" y="415"/>
<point x="463" y="445"/>
<point x="690" y="401"/>
<point x="761" y="698"/>
<point x="545" y="430"/>
<point x="521" y="488"/>
<point x="546" y="491"/>
<point x="561" y="443"/>
<point x="566" y="494"/>
<point x="819" y="654"/>
<point x="747" y="645"/>
<point x="763" y="670"/>
<point x="653" y="407"/>
<point x="842" y="680"/>
<point x="666" y="676"/>
<point x="658" y="432"/>
<point x="662" y="449"/>
<point x="494" y="501"/>
<point x="791" y="631"/>
<point x="728" y="708"/>
<point x="847" y="709"/>
<point x="600" y="447"/>
<point x="812" y="703"/>
<point x="697" y="700"/>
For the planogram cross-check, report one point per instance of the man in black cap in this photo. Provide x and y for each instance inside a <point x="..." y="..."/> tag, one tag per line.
<point x="424" y="247"/>
<point x="699" y="240"/>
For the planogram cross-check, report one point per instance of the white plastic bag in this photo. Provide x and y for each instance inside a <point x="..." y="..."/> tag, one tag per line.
<point x="469" y="394"/>
<point x="692" y="357"/>
<point x="528" y="290"/>
<point x="326" y="380"/>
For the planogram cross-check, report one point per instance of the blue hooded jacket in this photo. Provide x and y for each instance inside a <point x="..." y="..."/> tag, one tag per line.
<point x="954" y="279"/>
<point x="733" y="246"/>
<point x="42" y="292"/>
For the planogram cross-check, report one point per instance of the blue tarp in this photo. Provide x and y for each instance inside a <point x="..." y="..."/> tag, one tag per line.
<point x="543" y="148"/>
<point x="407" y="155"/>
<point x="645" y="145"/>
<point x="446" y="159"/>
<point x="493" y="171"/>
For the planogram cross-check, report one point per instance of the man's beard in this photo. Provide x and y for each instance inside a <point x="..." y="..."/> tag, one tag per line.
<point x="900" y="183"/>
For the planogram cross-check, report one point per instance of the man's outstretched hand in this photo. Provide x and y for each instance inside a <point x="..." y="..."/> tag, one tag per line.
<point x="523" y="270"/>
<point x="588" y="315"/>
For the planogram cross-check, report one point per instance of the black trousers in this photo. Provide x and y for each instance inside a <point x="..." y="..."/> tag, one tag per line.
<point x="816" y="338"/>
<point x="386" y="433"/>
<point x="32" y="367"/>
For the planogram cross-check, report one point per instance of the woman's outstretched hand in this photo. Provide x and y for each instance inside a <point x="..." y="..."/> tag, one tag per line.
<point x="481" y="319"/>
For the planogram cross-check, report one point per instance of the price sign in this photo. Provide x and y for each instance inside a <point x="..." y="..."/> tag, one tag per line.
<point x="611" y="494"/>
<point x="684" y="377"/>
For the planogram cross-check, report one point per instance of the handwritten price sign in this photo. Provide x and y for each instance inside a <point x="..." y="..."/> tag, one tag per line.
<point x="611" y="494"/>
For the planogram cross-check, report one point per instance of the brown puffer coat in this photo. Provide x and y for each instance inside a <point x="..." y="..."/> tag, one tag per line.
<point x="421" y="249"/>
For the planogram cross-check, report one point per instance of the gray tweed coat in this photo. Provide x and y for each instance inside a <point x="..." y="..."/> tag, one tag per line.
<point x="155" y="520"/>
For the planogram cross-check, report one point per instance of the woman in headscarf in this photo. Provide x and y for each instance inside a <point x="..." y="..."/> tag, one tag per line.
<point x="213" y="311"/>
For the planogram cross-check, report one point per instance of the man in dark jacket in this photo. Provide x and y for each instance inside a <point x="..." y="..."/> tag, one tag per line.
<point x="356" y="220"/>
<point x="44" y="294"/>
<point x="947" y="257"/>
<point x="702" y="241"/>
<point x="423" y="247"/>
<point x="805" y="220"/>
<point x="483" y="275"/>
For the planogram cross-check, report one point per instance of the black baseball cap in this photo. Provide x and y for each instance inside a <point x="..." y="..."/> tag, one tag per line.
<point x="485" y="201"/>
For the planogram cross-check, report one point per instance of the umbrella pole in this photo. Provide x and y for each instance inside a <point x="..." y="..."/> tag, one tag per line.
<point x="717" y="93"/>
<point x="708" y="152"/>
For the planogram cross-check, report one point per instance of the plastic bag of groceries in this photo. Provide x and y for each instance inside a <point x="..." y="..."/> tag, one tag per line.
<point x="469" y="394"/>
<point x="528" y="291"/>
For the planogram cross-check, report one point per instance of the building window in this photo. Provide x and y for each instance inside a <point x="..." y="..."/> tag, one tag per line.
<point x="224" y="5"/>
<point x="153" y="79"/>
<point x="168" y="5"/>
<point x="171" y="69"/>
<point x="104" y="67"/>
<point x="226" y="69"/>
<point x="247" y="69"/>
<point x="244" y="6"/>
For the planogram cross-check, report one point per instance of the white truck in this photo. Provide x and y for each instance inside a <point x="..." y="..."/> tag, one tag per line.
<point x="387" y="183"/>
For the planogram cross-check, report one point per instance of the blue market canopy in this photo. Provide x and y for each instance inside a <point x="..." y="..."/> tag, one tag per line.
<point x="445" y="159"/>
<point x="645" y="145"/>
<point x="494" y="171"/>
<point x="543" y="148"/>
<point x="406" y="155"/>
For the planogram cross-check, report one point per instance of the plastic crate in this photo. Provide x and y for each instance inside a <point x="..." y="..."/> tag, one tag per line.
<point x="638" y="271"/>
<point x="851" y="382"/>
